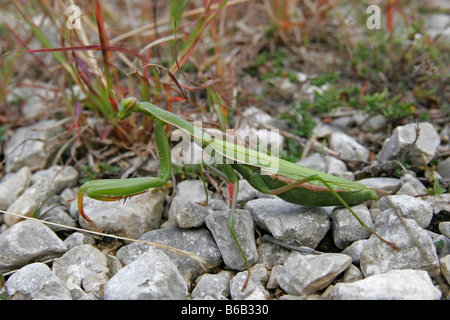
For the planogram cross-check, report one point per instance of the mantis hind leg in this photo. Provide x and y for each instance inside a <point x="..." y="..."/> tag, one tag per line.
<point x="318" y="178"/>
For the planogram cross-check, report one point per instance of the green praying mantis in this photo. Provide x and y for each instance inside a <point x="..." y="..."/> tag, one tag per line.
<point x="289" y="181"/>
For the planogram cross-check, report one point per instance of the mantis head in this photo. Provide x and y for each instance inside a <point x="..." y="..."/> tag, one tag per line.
<point x="126" y="107"/>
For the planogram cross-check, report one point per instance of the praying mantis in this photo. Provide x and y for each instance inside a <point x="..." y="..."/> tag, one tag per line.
<point x="289" y="181"/>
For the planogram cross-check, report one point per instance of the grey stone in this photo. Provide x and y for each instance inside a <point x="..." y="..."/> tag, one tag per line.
<point x="79" y="263"/>
<point x="187" y="214"/>
<point x="346" y="229"/>
<point x="411" y="186"/>
<point x="441" y="242"/>
<point x="191" y="190"/>
<point x="375" y="123"/>
<point x="272" y="283"/>
<point x="409" y="207"/>
<point x="247" y="192"/>
<point x="354" y="250"/>
<point x="59" y="176"/>
<point x="440" y="203"/>
<point x="352" y="274"/>
<point x="36" y="281"/>
<point x="445" y="267"/>
<point x="337" y="168"/>
<point x="13" y="185"/>
<point x="259" y="272"/>
<point x="443" y="168"/>
<point x="314" y="161"/>
<point x="272" y="254"/>
<point x="419" y="154"/>
<point x="436" y="26"/>
<point x="77" y="292"/>
<point x="253" y="290"/>
<point x="194" y="191"/>
<point x="348" y="147"/>
<point x="212" y="286"/>
<point x="26" y="147"/>
<point x="444" y="228"/>
<point x="57" y="214"/>
<point x="197" y="240"/>
<point x="417" y="250"/>
<point x="260" y="117"/>
<point x="383" y="183"/>
<point x="94" y="283"/>
<point x="78" y="238"/>
<point x="29" y="200"/>
<point x="322" y="130"/>
<point x="35" y="99"/>
<point x="113" y="264"/>
<point x="327" y="164"/>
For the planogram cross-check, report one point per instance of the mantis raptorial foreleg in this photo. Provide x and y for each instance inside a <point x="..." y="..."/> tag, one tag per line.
<point x="114" y="190"/>
<point x="204" y="186"/>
